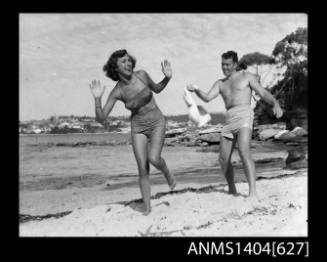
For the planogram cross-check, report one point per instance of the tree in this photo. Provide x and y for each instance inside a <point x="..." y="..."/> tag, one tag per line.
<point x="292" y="46"/>
<point x="255" y="59"/>
<point x="291" y="91"/>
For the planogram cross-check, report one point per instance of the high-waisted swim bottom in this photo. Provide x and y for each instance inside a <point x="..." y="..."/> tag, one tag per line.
<point x="236" y="118"/>
<point x="148" y="123"/>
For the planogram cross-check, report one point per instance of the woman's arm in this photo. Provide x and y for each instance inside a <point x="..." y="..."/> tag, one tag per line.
<point x="157" y="88"/>
<point x="101" y="114"/>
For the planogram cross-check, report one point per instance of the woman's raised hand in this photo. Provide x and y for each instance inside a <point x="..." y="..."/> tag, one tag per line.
<point x="96" y="88"/>
<point x="166" y="68"/>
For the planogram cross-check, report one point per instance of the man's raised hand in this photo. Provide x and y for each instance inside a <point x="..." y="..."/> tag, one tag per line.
<point x="278" y="112"/>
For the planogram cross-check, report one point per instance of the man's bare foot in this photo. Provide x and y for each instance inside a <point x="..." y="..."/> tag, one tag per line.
<point x="173" y="183"/>
<point x="232" y="190"/>
<point x="146" y="212"/>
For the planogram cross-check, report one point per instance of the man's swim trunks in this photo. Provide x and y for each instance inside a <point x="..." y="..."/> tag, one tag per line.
<point x="237" y="117"/>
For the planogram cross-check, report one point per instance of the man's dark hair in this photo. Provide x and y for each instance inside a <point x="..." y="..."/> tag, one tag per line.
<point x="230" y="54"/>
<point x="111" y="66"/>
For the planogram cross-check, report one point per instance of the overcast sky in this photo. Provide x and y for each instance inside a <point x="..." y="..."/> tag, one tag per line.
<point x="61" y="53"/>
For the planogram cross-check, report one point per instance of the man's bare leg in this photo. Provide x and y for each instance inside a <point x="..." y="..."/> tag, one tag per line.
<point x="244" y="140"/>
<point x="226" y="150"/>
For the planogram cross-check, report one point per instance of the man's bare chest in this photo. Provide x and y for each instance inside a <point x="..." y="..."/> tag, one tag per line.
<point x="234" y="86"/>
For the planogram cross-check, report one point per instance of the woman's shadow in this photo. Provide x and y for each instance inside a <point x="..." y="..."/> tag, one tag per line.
<point x="138" y="205"/>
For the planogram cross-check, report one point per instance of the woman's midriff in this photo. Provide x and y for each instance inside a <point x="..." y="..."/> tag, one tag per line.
<point x="144" y="109"/>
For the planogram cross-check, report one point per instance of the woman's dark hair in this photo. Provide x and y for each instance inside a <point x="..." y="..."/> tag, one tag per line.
<point x="111" y="66"/>
<point x="230" y="54"/>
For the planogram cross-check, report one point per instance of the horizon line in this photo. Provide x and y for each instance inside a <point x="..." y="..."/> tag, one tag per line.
<point x="123" y="116"/>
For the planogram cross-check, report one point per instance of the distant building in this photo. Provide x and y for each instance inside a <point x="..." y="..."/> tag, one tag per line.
<point x="95" y="124"/>
<point x="64" y="124"/>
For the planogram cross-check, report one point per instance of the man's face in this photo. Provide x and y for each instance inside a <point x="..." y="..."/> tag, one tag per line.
<point x="228" y="66"/>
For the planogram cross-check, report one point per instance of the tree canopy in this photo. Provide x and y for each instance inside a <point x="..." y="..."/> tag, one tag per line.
<point x="256" y="58"/>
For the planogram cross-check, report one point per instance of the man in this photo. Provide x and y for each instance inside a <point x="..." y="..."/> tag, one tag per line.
<point x="236" y="90"/>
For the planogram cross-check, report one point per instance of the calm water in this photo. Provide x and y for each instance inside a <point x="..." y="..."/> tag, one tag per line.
<point x="40" y="158"/>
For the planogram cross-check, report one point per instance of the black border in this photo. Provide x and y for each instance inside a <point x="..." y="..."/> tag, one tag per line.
<point x="170" y="247"/>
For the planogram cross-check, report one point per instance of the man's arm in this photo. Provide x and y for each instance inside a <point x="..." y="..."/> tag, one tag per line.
<point x="206" y="97"/>
<point x="265" y="95"/>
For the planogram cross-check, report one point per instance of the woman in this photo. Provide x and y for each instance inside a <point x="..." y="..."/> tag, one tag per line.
<point x="135" y="89"/>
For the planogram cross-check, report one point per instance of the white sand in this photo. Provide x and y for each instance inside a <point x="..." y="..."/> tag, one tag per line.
<point x="280" y="211"/>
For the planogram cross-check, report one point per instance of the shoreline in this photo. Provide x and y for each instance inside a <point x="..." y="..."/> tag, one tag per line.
<point x="102" y="133"/>
<point x="273" y="157"/>
<point x="56" y="200"/>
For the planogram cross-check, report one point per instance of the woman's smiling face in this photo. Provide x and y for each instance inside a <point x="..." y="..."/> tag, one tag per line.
<point x="125" y="65"/>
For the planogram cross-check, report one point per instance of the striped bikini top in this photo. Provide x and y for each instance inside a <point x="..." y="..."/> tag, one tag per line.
<point x="140" y="99"/>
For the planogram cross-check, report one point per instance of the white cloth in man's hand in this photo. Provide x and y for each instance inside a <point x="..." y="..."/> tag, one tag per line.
<point x="197" y="114"/>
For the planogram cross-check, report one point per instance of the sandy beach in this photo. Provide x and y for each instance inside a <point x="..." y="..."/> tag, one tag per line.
<point x="192" y="209"/>
<point x="101" y="205"/>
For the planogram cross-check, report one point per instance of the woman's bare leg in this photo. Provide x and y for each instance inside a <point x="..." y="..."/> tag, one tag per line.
<point x="156" y="143"/>
<point x="139" y="142"/>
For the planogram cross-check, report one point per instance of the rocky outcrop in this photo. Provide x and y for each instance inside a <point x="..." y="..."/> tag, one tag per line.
<point x="278" y="132"/>
<point x="193" y="136"/>
<point x="267" y="131"/>
<point x="297" y="158"/>
<point x="210" y="139"/>
<point x="175" y="132"/>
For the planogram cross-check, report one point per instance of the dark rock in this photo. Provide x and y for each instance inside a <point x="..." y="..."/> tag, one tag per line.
<point x="175" y="132"/>
<point x="297" y="158"/>
<point x="298" y="164"/>
<point x="269" y="160"/>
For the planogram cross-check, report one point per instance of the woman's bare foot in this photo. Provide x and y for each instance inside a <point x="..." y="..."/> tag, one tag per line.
<point x="253" y="199"/>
